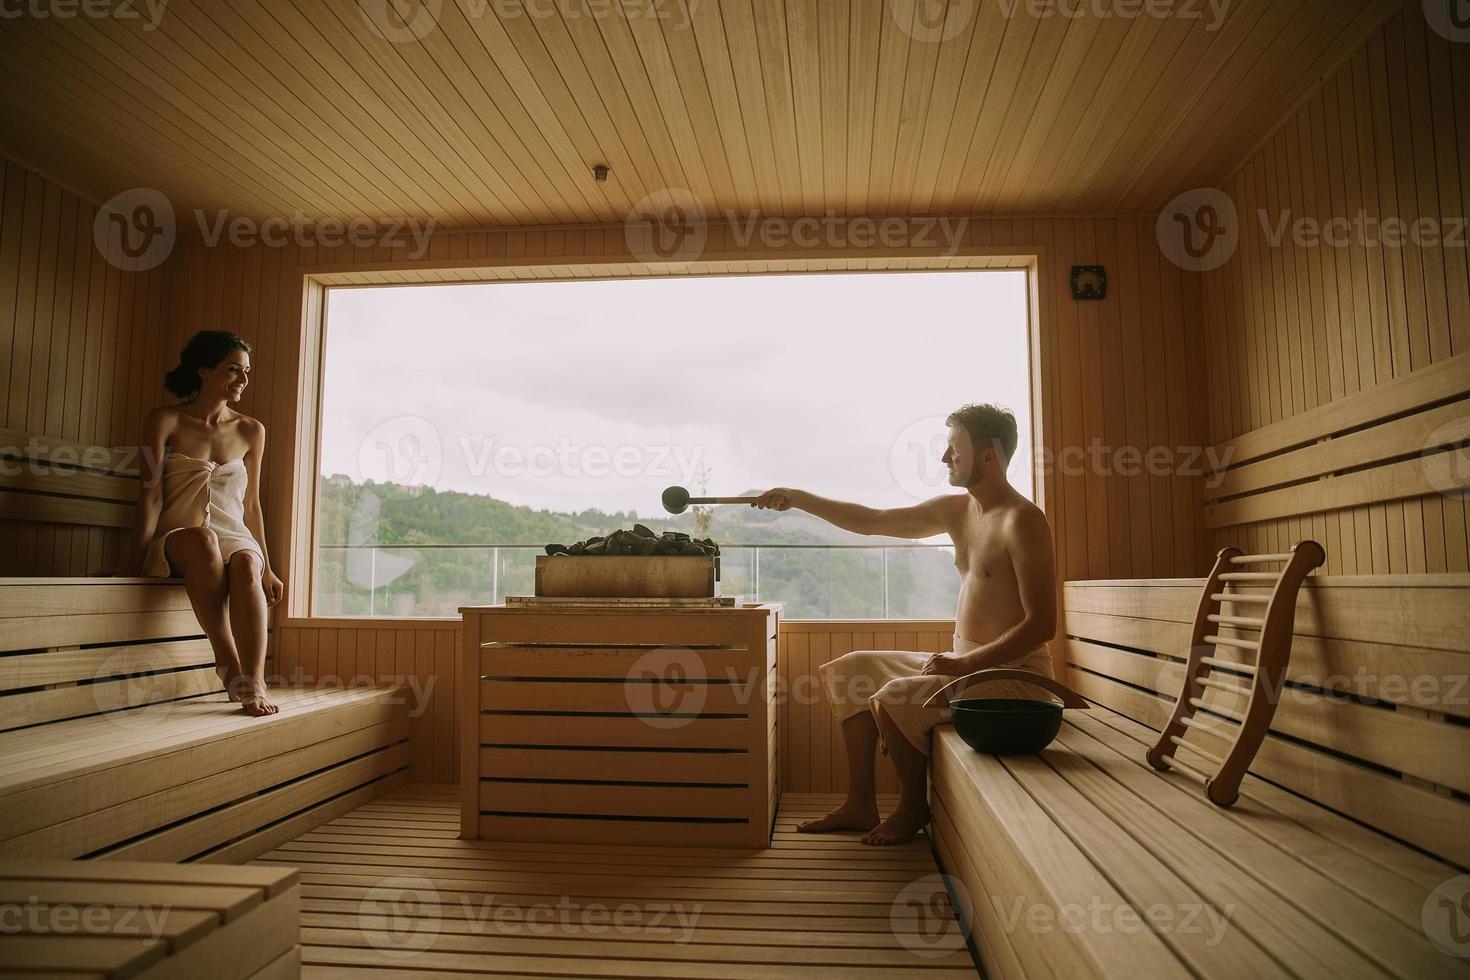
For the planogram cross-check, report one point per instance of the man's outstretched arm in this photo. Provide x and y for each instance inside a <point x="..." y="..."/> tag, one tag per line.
<point x="920" y="521"/>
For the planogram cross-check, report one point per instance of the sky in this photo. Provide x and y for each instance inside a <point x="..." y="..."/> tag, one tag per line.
<point x="573" y="395"/>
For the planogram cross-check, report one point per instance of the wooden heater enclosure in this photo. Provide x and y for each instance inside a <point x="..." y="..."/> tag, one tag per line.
<point x="614" y="725"/>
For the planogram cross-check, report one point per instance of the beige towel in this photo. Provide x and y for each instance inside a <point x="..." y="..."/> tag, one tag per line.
<point x="201" y="493"/>
<point x="860" y="680"/>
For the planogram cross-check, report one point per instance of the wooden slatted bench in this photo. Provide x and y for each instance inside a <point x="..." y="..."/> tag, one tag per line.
<point x="1085" y="861"/>
<point x="149" y="921"/>
<point x="117" y="741"/>
<point x="1374" y="720"/>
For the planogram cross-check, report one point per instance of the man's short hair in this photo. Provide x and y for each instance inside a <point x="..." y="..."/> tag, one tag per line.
<point x="989" y="426"/>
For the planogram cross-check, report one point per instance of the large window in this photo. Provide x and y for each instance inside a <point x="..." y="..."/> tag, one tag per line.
<point x="465" y="427"/>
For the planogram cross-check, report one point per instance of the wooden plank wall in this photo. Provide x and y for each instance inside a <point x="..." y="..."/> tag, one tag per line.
<point x="80" y="354"/>
<point x="812" y="759"/>
<point x="418" y="653"/>
<point x="1106" y="525"/>
<point x="1127" y="371"/>
<point x="1295" y="327"/>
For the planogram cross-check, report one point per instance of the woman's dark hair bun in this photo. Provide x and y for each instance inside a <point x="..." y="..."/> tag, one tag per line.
<point x="204" y="350"/>
<point x="182" y="381"/>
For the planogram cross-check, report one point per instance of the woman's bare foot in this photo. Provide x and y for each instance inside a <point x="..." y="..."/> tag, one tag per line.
<point x="229" y="676"/>
<point x="255" y="699"/>
<point x="849" y="816"/>
<point x="902" y="826"/>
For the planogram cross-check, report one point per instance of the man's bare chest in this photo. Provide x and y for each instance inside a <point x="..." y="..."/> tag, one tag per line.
<point x="981" y="552"/>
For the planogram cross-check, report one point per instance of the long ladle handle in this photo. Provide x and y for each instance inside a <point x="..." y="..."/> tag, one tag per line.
<point x="1070" y="698"/>
<point x="723" y="500"/>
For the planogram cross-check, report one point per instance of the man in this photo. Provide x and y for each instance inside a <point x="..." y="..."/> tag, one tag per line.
<point x="1005" y="616"/>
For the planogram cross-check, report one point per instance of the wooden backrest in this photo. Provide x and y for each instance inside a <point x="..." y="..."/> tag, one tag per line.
<point x="1239" y="646"/>
<point x="1397" y="441"/>
<point x="1374" y="720"/>
<point x="61" y="482"/>
<point x="74" y="647"/>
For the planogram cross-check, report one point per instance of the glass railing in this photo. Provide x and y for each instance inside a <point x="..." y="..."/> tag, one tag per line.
<point x="817" y="581"/>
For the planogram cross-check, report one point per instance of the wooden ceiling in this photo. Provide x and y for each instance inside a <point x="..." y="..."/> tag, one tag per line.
<point x="498" y="112"/>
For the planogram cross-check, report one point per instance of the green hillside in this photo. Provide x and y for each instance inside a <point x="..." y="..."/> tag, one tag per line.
<point x="361" y="528"/>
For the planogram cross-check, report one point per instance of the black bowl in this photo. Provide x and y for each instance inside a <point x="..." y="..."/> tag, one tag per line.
<point x="1006" y="726"/>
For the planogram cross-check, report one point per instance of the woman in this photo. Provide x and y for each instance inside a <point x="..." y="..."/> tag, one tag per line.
<point x="199" y="511"/>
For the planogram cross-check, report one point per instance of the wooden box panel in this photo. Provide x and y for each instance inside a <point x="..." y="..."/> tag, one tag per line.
<point x="716" y="768"/>
<point x="643" y="802"/>
<point x="511" y="731"/>
<point x="630" y="725"/>
<point x="593" y="831"/>
<point x="610" y="626"/>
<point x="524" y="661"/>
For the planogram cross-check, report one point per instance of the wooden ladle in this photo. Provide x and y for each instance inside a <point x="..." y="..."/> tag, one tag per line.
<point x="677" y="500"/>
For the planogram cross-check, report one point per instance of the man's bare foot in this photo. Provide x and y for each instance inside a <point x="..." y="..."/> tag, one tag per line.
<point x="902" y="826"/>
<point x="255" y="699"/>
<point x="229" y="676"/>
<point x="846" y="817"/>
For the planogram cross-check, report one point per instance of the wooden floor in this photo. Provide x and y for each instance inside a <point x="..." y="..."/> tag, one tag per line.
<point x="389" y="890"/>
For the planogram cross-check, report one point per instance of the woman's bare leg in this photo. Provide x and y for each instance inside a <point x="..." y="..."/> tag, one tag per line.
<point x="247" y="620"/>
<point x="860" y="810"/>
<point x="194" y="551"/>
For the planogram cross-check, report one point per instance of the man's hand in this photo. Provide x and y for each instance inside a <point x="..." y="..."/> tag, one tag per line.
<point x="778" y="498"/>
<point x="948" y="665"/>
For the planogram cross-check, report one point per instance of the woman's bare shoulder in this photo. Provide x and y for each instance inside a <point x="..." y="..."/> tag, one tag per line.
<point x="252" y="428"/>
<point x="164" y="418"/>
